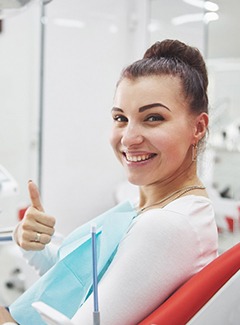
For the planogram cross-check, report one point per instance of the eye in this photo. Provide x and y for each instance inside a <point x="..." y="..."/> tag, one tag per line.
<point x="120" y="118"/>
<point x="154" y="118"/>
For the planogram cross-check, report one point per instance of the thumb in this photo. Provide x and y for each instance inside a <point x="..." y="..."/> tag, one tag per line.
<point x="35" y="196"/>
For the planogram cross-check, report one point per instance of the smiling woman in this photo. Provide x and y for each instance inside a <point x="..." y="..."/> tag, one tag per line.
<point x="160" y="117"/>
<point x="149" y="130"/>
<point x="148" y="248"/>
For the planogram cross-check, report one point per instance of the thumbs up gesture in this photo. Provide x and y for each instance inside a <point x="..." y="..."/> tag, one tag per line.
<point x="36" y="228"/>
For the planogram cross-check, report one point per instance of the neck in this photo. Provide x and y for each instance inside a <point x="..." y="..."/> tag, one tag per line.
<point x="172" y="196"/>
<point x="150" y="194"/>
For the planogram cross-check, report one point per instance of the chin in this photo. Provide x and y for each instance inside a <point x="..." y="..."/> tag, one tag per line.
<point x="136" y="181"/>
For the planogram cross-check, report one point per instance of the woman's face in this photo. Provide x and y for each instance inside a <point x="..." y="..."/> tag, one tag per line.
<point x="153" y="129"/>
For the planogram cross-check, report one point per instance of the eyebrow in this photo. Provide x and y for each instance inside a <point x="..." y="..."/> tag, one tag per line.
<point x="144" y="108"/>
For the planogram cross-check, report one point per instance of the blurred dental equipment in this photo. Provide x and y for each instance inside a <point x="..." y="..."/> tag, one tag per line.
<point x="16" y="4"/>
<point x="8" y="185"/>
<point x="14" y="272"/>
<point x="9" y="8"/>
<point x="96" y="313"/>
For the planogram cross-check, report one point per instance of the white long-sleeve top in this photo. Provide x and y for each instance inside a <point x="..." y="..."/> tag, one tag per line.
<point x="162" y="249"/>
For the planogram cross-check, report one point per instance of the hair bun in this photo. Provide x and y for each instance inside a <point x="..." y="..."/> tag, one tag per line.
<point x="178" y="51"/>
<point x="161" y="49"/>
<point x="174" y="49"/>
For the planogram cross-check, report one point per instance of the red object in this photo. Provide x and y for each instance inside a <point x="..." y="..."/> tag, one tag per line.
<point x="21" y="213"/>
<point x="230" y="223"/>
<point x="179" y="308"/>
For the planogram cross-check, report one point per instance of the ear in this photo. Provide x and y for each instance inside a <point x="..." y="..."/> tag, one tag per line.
<point x="200" y="127"/>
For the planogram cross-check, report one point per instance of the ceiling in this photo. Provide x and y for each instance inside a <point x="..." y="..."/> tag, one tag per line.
<point x="216" y="39"/>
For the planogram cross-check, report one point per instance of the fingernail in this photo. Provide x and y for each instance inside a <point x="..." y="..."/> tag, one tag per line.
<point x="29" y="181"/>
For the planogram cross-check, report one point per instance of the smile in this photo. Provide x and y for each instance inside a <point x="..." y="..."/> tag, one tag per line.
<point x="139" y="158"/>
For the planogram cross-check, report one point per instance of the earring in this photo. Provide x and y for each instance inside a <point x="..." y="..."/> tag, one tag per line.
<point x="194" y="152"/>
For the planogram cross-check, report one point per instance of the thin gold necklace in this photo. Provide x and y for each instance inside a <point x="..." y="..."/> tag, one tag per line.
<point x="182" y="190"/>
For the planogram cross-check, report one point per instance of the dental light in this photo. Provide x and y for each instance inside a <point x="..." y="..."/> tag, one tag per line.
<point x="206" y="5"/>
<point x="208" y="14"/>
<point x="15" y="4"/>
<point x="191" y="18"/>
<point x="11" y="7"/>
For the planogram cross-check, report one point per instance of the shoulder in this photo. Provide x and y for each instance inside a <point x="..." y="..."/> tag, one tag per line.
<point x="189" y="203"/>
<point x="193" y="207"/>
<point x="185" y="210"/>
<point x="190" y="218"/>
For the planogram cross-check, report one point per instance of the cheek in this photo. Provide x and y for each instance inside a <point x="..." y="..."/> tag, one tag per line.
<point x="114" y="138"/>
<point x="180" y="148"/>
<point x="161" y="138"/>
<point x="172" y="145"/>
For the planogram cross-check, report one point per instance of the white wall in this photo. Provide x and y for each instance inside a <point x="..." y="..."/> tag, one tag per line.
<point x="80" y="173"/>
<point x="19" y="48"/>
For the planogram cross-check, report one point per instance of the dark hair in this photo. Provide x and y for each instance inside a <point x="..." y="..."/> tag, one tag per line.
<point x="172" y="57"/>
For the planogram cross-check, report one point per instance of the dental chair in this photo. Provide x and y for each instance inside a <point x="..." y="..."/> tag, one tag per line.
<point x="212" y="296"/>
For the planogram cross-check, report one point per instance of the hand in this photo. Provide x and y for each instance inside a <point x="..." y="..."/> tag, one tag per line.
<point x="5" y="316"/>
<point x="36" y="228"/>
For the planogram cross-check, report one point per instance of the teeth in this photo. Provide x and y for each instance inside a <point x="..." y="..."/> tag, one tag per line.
<point x="137" y="158"/>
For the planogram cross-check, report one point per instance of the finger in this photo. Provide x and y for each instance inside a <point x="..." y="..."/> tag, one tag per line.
<point x="41" y="238"/>
<point x="37" y="221"/>
<point x="34" y="241"/>
<point x="45" y="221"/>
<point x="31" y="245"/>
<point x="34" y="196"/>
<point x="45" y="239"/>
<point x="44" y="229"/>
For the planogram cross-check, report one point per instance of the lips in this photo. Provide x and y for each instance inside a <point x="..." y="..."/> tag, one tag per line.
<point x="138" y="157"/>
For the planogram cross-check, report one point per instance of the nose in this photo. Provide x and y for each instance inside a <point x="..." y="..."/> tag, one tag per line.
<point x="131" y="136"/>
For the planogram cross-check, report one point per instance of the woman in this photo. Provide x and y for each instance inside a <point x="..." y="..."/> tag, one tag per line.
<point x="160" y="119"/>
